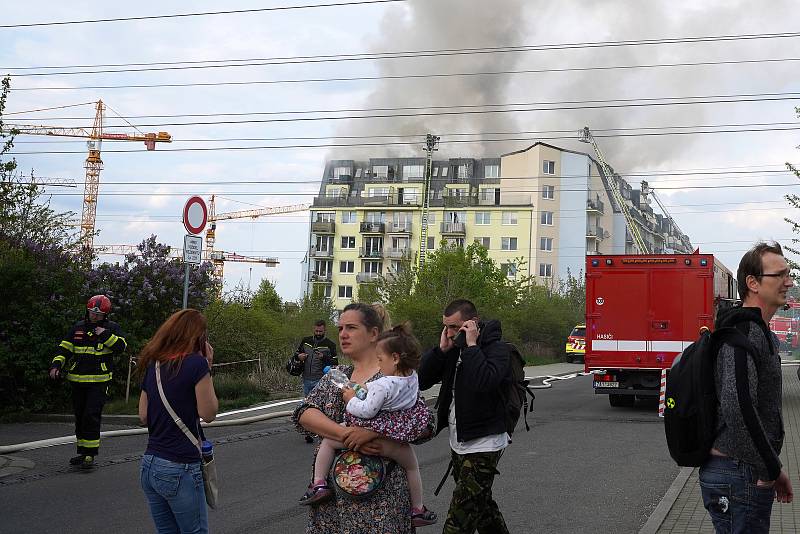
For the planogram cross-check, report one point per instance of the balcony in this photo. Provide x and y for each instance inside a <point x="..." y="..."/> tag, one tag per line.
<point x="595" y="232"/>
<point x="370" y="252"/>
<point x="321" y="278"/>
<point x="464" y="201"/>
<point x="400" y="228"/>
<point x="595" y="206"/>
<point x="321" y="253"/>
<point x="399" y="253"/>
<point x="452" y="228"/>
<point x="366" y="278"/>
<point x="372" y="228"/>
<point x="319" y="227"/>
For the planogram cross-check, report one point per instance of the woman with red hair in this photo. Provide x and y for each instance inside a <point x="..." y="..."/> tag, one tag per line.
<point x="171" y="475"/>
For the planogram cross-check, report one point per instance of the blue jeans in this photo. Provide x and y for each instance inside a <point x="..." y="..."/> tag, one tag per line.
<point x="734" y="502"/>
<point x="308" y="385"/>
<point x="175" y="494"/>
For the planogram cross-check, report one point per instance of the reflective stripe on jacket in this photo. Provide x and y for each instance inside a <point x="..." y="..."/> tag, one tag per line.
<point x="88" y="357"/>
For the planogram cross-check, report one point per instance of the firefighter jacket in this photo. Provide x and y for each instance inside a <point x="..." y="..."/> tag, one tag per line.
<point x="86" y="357"/>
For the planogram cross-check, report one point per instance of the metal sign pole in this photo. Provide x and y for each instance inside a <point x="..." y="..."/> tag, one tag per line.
<point x="186" y="286"/>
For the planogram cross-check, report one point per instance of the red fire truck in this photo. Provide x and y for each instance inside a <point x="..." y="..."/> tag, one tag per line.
<point x="786" y="328"/>
<point x="642" y="311"/>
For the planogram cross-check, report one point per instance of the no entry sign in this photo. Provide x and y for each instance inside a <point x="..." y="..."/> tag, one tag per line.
<point x="195" y="215"/>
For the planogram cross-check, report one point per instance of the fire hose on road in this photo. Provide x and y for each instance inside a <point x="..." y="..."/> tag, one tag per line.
<point x="66" y="440"/>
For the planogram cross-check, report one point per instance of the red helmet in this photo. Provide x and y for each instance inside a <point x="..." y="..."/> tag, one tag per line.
<point x="99" y="304"/>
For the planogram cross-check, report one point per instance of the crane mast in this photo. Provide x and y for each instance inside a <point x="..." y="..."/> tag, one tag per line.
<point x="94" y="162"/>
<point x="587" y="137"/>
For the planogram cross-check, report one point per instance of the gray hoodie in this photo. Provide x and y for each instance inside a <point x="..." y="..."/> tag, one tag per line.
<point x="749" y="416"/>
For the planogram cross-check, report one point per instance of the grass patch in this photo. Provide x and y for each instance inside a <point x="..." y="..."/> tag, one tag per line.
<point x="542" y="359"/>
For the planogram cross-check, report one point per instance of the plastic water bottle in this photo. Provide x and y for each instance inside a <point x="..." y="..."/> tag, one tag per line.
<point x="207" y="451"/>
<point x="341" y="381"/>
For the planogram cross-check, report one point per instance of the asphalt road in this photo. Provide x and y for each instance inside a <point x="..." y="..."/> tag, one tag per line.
<point x="583" y="467"/>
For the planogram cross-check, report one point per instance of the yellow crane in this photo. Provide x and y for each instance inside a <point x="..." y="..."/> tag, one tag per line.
<point x="94" y="163"/>
<point x="219" y="258"/>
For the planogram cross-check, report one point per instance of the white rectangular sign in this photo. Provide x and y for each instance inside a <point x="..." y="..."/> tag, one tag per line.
<point x="192" y="249"/>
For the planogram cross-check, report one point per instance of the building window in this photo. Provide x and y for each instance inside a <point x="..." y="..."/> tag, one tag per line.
<point x="372" y="267"/>
<point x="454" y="242"/>
<point x="546" y="244"/>
<point x="483" y="241"/>
<point x="378" y="192"/>
<point x="509" y="269"/>
<point x="348" y="241"/>
<point x="411" y="195"/>
<point x="509" y="217"/>
<point x="375" y="217"/>
<point x="483" y="217"/>
<point x="348" y="217"/>
<point x="323" y="268"/>
<point x="431" y="243"/>
<point x="380" y="172"/>
<point x="338" y="172"/>
<point x="326" y="292"/>
<point x="413" y="171"/>
<point x="347" y="266"/>
<point x="547" y="218"/>
<point x="463" y="172"/>
<point x="492" y="171"/>
<point x="345" y="292"/>
<point x="549" y="192"/>
<point x="546" y="270"/>
<point x="508" y="243"/>
<point x="358" y="172"/>
<point x="324" y="242"/>
<point x="548" y="167"/>
<point x="444" y="172"/>
<point x="325" y="216"/>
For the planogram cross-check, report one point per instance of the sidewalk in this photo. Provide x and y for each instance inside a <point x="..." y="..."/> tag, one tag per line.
<point x="687" y="513"/>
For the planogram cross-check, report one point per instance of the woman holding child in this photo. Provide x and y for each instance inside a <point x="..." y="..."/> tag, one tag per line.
<point x="389" y="509"/>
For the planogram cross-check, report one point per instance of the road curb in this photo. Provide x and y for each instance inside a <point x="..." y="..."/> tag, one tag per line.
<point x="663" y="508"/>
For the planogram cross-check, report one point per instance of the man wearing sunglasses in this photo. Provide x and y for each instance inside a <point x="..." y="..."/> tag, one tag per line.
<point x="743" y="475"/>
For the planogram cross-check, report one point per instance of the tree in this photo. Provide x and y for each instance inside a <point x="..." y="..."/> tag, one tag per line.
<point x="420" y="295"/>
<point x="41" y="283"/>
<point x="148" y="287"/>
<point x="267" y="298"/>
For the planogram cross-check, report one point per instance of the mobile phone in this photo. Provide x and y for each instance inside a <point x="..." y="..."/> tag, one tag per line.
<point x="460" y="339"/>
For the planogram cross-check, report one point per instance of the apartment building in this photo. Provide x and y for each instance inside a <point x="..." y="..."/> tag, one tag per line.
<point x="545" y="205"/>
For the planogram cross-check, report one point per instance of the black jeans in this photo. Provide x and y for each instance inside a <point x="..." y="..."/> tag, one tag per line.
<point x="87" y="402"/>
<point x="734" y="502"/>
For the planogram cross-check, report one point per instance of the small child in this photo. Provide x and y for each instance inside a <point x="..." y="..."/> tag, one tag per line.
<point x="398" y="354"/>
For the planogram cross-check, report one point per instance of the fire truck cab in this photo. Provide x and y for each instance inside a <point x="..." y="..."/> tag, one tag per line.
<point x="642" y="311"/>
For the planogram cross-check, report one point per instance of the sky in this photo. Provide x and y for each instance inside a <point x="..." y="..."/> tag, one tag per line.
<point x="236" y="139"/>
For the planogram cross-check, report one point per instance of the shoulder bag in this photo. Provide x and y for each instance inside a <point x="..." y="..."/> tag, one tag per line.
<point x="209" y="468"/>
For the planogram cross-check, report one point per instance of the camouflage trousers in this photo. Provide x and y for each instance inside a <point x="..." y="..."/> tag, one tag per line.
<point x="472" y="506"/>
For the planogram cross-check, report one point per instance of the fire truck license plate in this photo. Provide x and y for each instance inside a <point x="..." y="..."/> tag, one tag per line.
<point x="606" y="384"/>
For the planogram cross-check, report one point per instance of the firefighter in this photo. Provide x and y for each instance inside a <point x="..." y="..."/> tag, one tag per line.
<point x="85" y="359"/>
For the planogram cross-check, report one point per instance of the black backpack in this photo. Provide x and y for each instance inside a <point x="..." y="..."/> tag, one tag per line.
<point x="516" y="396"/>
<point x="690" y="412"/>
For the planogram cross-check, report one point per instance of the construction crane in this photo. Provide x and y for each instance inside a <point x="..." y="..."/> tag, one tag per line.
<point x="94" y="163"/>
<point x="431" y="145"/>
<point x="213" y="217"/>
<point x="587" y="137"/>
<point x="47" y="180"/>
<point x="208" y="255"/>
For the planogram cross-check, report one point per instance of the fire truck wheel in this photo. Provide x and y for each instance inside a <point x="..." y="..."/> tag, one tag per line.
<point x="618" y="401"/>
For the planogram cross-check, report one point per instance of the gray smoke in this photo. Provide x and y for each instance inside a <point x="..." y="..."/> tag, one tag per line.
<point x="429" y="24"/>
